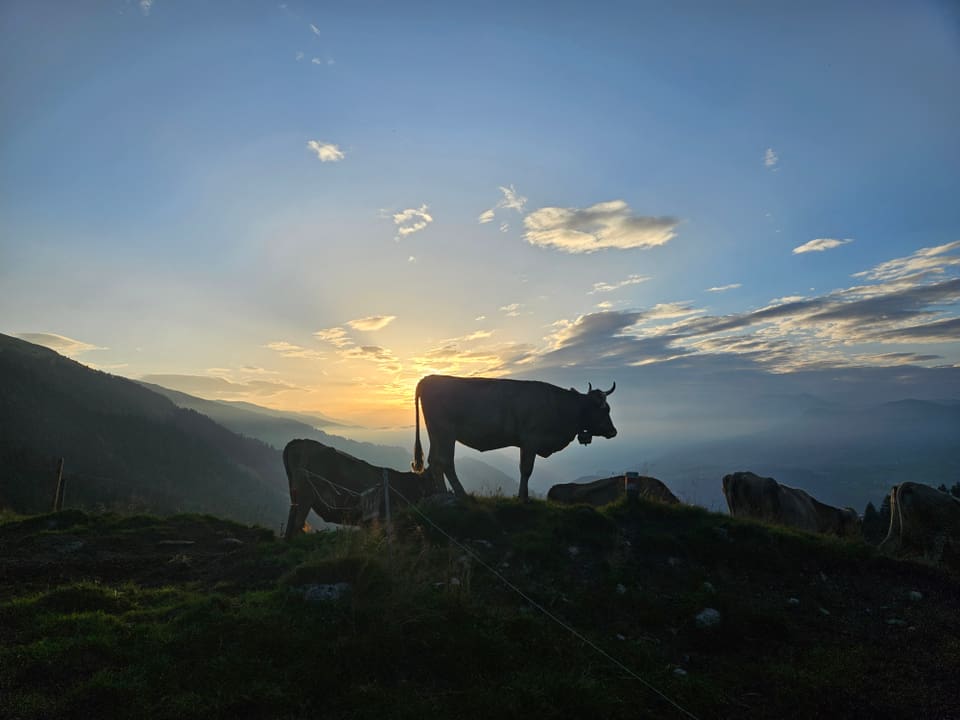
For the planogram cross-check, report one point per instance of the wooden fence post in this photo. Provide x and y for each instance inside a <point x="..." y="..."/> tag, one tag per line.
<point x="386" y="503"/>
<point x="58" y="497"/>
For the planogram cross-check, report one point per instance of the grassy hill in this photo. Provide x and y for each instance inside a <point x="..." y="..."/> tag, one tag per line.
<point x="124" y="446"/>
<point x="192" y="616"/>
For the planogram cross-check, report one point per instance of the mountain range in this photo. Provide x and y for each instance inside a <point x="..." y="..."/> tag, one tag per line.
<point x="133" y="446"/>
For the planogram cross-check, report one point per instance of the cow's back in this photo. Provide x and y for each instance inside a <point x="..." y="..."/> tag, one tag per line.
<point x="491" y="413"/>
<point x="749" y="495"/>
<point x="597" y="492"/>
<point x="796" y="510"/>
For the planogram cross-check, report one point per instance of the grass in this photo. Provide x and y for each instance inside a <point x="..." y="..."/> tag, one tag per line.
<point x="125" y="626"/>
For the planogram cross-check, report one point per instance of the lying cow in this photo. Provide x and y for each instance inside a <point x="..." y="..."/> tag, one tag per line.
<point x="486" y="414"/>
<point x="924" y="520"/>
<point x="330" y="483"/>
<point x="603" y="492"/>
<point x="752" y="496"/>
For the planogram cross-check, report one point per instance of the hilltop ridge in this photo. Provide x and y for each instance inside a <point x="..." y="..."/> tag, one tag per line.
<point x="727" y="618"/>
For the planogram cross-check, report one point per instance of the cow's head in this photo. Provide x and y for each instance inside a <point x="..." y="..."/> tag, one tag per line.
<point x="595" y="415"/>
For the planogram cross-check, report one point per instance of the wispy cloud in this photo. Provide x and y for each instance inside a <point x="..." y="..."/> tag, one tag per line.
<point x="326" y="152"/>
<point x="60" y="343"/>
<point x="449" y="357"/>
<point x="216" y="388"/>
<point x="601" y="226"/>
<point x="512" y="310"/>
<point x="336" y="336"/>
<point x="146" y="6"/>
<point x="299" y="56"/>
<point x="314" y="29"/>
<point x="289" y="350"/>
<point x="913" y="300"/>
<point x="610" y="287"/>
<point x="411" y="220"/>
<point x="724" y="288"/>
<point x="820" y="244"/>
<point x="384" y="358"/>
<point x="770" y="158"/>
<point x="925" y="260"/>
<point x="511" y="200"/>
<point x="374" y="322"/>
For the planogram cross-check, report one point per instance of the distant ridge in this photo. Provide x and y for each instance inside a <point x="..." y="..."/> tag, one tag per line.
<point x="277" y="428"/>
<point x="124" y="446"/>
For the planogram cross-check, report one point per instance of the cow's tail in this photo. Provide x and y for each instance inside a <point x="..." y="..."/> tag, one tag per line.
<point x="417" y="464"/>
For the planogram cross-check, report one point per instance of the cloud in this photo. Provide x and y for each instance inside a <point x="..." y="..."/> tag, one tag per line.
<point x="215" y="388"/>
<point x="336" y="336"/>
<point x="289" y="350"/>
<point x="411" y="220"/>
<point x="925" y="260"/>
<point x="314" y="29"/>
<point x="770" y="158"/>
<point x="383" y="357"/>
<point x="897" y="358"/>
<point x="512" y="310"/>
<point x="663" y="311"/>
<point x="724" y="288"/>
<point x="326" y="152"/>
<point x="601" y="226"/>
<point x="819" y="245"/>
<point x="610" y="287"/>
<point x="374" y="322"/>
<point x="511" y="200"/>
<point x="915" y="301"/>
<point x="449" y="357"/>
<point x="299" y="56"/>
<point x="60" y="343"/>
<point x="146" y="6"/>
<point x="940" y="331"/>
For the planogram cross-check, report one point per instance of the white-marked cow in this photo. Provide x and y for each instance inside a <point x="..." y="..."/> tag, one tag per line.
<point x="752" y="496"/>
<point x="486" y="414"/>
<point x="607" y="490"/>
<point x="330" y="483"/>
<point x="926" y="521"/>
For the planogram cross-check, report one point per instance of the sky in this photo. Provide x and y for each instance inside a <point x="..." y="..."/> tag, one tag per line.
<point x="310" y="206"/>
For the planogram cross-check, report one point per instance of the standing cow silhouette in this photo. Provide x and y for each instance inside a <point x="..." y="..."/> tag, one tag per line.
<point x="486" y="414"/>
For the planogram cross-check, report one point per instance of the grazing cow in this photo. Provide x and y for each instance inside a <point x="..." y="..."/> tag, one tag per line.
<point x="486" y="414"/>
<point x="924" y="520"/>
<point x="330" y="482"/>
<point x="752" y="496"/>
<point x="602" y="492"/>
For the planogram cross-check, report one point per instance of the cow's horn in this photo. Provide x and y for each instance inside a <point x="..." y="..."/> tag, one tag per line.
<point x="610" y="391"/>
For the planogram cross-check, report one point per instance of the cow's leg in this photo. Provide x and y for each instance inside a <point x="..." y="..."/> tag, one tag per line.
<point x="440" y="462"/>
<point x="526" y="469"/>
<point x="305" y="498"/>
<point x="451" y="473"/>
